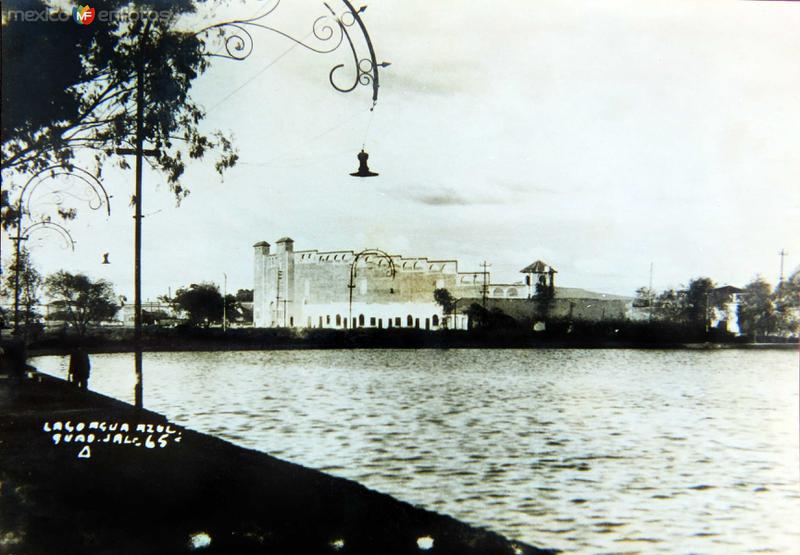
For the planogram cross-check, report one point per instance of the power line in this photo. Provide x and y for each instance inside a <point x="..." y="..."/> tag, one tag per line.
<point x="262" y="70"/>
<point x="485" y="288"/>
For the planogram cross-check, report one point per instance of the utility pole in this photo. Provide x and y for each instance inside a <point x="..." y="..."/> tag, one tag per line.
<point x="224" y="303"/>
<point x="278" y="298"/>
<point x="650" y="295"/>
<point x="485" y="288"/>
<point x="139" y="152"/>
<point x="782" y="254"/>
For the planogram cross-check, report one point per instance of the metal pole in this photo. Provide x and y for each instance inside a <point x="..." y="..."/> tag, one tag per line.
<point x="350" y="304"/>
<point x="225" y="303"/>
<point x="650" y="295"/>
<point x="137" y="261"/>
<point x="485" y="288"/>
<point x="16" y="270"/>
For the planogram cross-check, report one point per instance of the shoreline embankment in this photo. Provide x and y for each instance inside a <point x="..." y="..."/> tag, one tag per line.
<point x="243" y="339"/>
<point x="82" y="473"/>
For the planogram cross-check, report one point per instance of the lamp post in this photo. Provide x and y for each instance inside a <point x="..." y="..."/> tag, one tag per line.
<point x="354" y="272"/>
<point x="139" y="152"/>
<point x="455" y="311"/>
<point x="331" y="30"/>
<point x="225" y="303"/>
<point x="93" y="194"/>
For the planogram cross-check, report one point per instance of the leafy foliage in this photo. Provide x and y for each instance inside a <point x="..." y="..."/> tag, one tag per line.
<point x="444" y="299"/>
<point x="787" y="304"/>
<point x="244" y="295"/>
<point x="756" y="310"/>
<point x="202" y="303"/>
<point x="644" y="297"/>
<point x="82" y="93"/>
<point x="494" y="318"/>
<point x="30" y="282"/>
<point x="81" y="301"/>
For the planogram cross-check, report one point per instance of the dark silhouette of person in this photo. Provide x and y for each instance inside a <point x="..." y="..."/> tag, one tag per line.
<point x="13" y="359"/>
<point x="79" y="368"/>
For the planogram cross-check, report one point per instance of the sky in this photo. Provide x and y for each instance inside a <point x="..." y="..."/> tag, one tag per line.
<point x="600" y="137"/>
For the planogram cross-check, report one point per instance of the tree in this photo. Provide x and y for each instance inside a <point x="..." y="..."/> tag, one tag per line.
<point x="478" y="316"/>
<point x="756" y="311"/>
<point x="669" y="305"/>
<point x="233" y="308"/>
<point x="700" y="301"/>
<point x="202" y="303"/>
<point x="244" y="295"/>
<point x="30" y="281"/>
<point x="786" y="299"/>
<point x="81" y="301"/>
<point x="83" y="92"/>
<point x="444" y="299"/>
<point x="644" y="297"/>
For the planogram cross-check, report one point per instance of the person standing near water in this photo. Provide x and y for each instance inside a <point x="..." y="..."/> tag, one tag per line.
<point x="79" y="368"/>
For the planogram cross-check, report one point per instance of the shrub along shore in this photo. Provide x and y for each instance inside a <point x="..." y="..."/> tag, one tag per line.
<point x="557" y="335"/>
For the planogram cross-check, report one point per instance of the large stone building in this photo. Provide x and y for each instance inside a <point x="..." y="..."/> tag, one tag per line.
<point x="374" y="289"/>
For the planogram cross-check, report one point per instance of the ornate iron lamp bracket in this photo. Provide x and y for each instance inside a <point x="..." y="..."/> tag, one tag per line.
<point x="330" y="30"/>
<point x="364" y="255"/>
<point x="89" y="191"/>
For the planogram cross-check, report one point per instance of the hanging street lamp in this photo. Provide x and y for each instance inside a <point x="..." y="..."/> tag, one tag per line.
<point x="363" y="168"/>
<point x="330" y="30"/>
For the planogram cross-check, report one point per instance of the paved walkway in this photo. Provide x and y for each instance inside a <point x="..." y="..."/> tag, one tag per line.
<point x="70" y="484"/>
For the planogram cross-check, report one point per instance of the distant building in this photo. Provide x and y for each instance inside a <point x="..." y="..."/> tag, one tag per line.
<point x="727" y="319"/>
<point x="375" y="289"/>
<point x="153" y="312"/>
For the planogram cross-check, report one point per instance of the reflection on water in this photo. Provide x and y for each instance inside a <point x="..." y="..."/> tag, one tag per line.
<point x="584" y="450"/>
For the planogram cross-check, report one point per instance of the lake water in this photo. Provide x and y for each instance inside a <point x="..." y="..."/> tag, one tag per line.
<point x="584" y="450"/>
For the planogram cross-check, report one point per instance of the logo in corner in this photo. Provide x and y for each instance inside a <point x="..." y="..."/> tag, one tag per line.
<point x="83" y="15"/>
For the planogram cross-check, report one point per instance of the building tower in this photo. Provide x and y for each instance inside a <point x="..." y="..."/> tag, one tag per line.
<point x="539" y="277"/>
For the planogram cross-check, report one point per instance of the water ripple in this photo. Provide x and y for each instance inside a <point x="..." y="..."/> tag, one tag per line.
<point x="588" y="451"/>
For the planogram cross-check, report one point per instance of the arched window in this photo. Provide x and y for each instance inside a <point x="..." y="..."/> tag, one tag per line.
<point x="410" y="321"/>
<point x="338" y="320"/>
<point x="498" y="292"/>
<point x="360" y="320"/>
<point x="512" y="292"/>
<point x="435" y="320"/>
